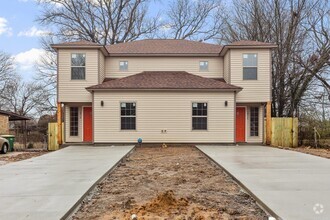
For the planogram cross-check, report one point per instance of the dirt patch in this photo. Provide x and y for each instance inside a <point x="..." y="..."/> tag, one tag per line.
<point x="168" y="183"/>
<point x="321" y="152"/>
<point x="18" y="156"/>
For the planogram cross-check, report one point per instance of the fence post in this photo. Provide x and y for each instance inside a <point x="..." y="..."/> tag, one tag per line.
<point x="59" y="123"/>
<point x="268" y="123"/>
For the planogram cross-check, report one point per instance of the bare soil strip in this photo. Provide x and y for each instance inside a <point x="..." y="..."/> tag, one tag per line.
<point x="321" y="152"/>
<point x="177" y="182"/>
<point x="18" y="156"/>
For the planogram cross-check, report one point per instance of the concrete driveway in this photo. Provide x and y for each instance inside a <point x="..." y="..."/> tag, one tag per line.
<point x="292" y="184"/>
<point x="47" y="187"/>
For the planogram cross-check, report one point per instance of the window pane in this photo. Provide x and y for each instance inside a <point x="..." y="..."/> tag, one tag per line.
<point x="128" y="123"/>
<point x="199" y="109"/>
<point x="123" y="65"/>
<point x="78" y="59"/>
<point x="74" y="121"/>
<point x="203" y="65"/>
<point x="254" y="121"/>
<point x="77" y="72"/>
<point x="199" y="123"/>
<point x="249" y="73"/>
<point x="250" y="60"/>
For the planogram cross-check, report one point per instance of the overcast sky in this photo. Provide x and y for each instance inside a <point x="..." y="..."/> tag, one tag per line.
<point x="20" y="33"/>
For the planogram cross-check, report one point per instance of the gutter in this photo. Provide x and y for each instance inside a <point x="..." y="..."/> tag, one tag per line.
<point x="166" y="89"/>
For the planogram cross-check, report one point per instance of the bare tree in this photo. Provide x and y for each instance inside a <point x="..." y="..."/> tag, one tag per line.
<point x="286" y="23"/>
<point x="100" y="21"/>
<point x="195" y="20"/>
<point x="46" y="75"/>
<point x="6" y="69"/>
<point x="21" y="97"/>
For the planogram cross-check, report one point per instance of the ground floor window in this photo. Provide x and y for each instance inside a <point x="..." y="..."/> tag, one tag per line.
<point x="128" y="115"/>
<point x="254" y="121"/>
<point x="74" y="121"/>
<point x="199" y="116"/>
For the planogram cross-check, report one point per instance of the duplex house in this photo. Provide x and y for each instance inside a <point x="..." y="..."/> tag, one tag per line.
<point x="166" y="91"/>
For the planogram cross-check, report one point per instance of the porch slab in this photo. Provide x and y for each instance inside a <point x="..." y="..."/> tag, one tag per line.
<point x="292" y="184"/>
<point x="47" y="187"/>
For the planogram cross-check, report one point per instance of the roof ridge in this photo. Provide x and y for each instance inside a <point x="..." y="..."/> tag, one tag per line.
<point x="164" y="80"/>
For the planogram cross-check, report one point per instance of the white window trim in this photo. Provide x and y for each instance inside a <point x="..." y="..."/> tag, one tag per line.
<point x="249" y="66"/>
<point x="70" y="121"/>
<point x="250" y="120"/>
<point x="200" y="116"/>
<point x="123" y="70"/>
<point x="77" y="66"/>
<point x="204" y="70"/>
<point x="127" y="116"/>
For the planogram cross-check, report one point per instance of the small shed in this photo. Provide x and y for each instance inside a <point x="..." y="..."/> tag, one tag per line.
<point x="6" y="117"/>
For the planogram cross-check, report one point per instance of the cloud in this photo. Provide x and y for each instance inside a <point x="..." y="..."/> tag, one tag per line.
<point x="33" y="32"/>
<point x="25" y="61"/>
<point x="56" y="4"/>
<point x="4" y="29"/>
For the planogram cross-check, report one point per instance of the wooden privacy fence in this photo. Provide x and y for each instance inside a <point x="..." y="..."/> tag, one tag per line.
<point x="284" y="132"/>
<point x="52" y="136"/>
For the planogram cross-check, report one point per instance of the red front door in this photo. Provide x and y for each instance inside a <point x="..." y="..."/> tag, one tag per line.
<point x="88" y="124"/>
<point x="240" y="124"/>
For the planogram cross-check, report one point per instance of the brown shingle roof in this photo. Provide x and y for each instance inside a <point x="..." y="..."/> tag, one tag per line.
<point x="80" y="43"/>
<point x="163" y="46"/>
<point x="165" y="80"/>
<point x="250" y="43"/>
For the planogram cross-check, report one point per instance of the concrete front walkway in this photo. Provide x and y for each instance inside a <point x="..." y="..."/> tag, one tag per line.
<point x="47" y="187"/>
<point x="292" y="184"/>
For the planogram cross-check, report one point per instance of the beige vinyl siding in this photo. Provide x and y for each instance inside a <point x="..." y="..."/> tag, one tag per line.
<point x="253" y="90"/>
<point x="226" y="67"/>
<point x="74" y="90"/>
<point x="156" y="111"/>
<point x="139" y="64"/>
<point x="101" y="67"/>
<point x="80" y="106"/>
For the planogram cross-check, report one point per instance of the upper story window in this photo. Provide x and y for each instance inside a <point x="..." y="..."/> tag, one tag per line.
<point x="123" y="65"/>
<point x="250" y="66"/>
<point x="203" y="65"/>
<point x="78" y="65"/>
<point x="199" y="116"/>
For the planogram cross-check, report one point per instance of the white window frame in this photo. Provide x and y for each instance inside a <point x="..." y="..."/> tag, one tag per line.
<point x="199" y="116"/>
<point x="78" y="66"/>
<point x="250" y="66"/>
<point x="70" y="108"/>
<point x="125" y="65"/>
<point x="250" y="116"/>
<point x="207" y="66"/>
<point x="127" y="116"/>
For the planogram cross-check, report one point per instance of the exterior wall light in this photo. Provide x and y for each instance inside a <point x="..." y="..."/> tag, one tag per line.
<point x="226" y="103"/>
<point x="102" y="103"/>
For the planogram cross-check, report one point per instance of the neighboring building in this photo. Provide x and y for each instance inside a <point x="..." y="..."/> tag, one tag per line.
<point x="6" y="117"/>
<point x="4" y="124"/>
<point x="172" y="91"/>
